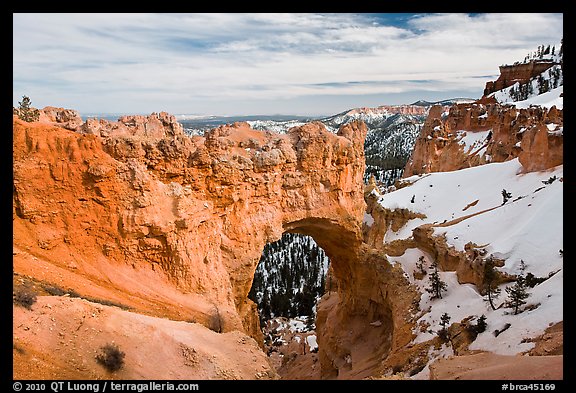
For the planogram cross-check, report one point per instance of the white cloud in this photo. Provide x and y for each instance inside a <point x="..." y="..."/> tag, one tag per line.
<point x="262" y="56"/>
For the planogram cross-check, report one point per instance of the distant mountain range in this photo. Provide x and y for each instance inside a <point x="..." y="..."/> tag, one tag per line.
<point x="447" y="102"/>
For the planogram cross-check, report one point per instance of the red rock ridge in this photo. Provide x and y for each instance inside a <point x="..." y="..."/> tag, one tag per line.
<point x="517" y="73"/>
<point x="534" y="135"/>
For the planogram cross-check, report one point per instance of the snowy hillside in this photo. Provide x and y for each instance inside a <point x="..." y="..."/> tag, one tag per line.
<point x="549" y="83"/>
<point x="388" y="147"/>
<point x="526" y="231"/>
<point x="278" y="126"/>
<point x="548" y="94"/>
<point x="392" y="131"/>
<point x="548" y="99"/>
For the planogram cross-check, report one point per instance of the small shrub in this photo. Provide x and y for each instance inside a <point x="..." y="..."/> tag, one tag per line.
<point x="18" y="349"/>
<point x="24" y="296"/>
<point x="54" y="290"/>
<point x="26" y="112"/>
<point x="111" y="357"/>
<point x="420" y="266"/>
<point x="505" y="196"/>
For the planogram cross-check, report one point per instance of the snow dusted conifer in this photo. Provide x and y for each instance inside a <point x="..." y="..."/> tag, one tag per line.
<point x="444" y="321"/>
<point x="436" y="284"/>
<point x="26" y="112"/>
<point x="517" y="294"/>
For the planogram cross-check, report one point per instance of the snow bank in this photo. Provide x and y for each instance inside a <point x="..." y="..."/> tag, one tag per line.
<point x="526" y="231"/>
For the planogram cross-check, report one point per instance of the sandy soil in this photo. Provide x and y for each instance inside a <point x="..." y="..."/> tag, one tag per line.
<point x="60" y="337"/>
<point x="489" y="366"/>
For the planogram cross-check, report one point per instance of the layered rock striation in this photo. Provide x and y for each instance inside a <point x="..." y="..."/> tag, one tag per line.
<point x="475" y="134"/>
<point x="518" y="73"/>
<point x="137" y="214"/>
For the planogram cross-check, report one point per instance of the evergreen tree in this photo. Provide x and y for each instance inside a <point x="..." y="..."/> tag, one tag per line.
<point x="517" y="294"/>
<point x="443" y="332"/>
<point x="543" y="86"/>
<point x="490" y="281"/>
<point x="436" y="284"/>
<point x="444" y="320"/>
<point x="481" y="324"/>
<point x="26" y="112"/>
<point x="505" y="196"/>
<point x="264" y="309"/>
<point x="529" y="90"/>
<point x="513" y="93"/>
<point x="420" y="266"/>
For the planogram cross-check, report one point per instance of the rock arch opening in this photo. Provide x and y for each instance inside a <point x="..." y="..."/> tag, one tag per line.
<point x="290" y="278"/>
<point x="351" y="319"/>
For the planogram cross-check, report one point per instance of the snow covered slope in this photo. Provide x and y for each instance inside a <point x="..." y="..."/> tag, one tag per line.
<point x="526" y="231"/>
<point x="545" y="89"/>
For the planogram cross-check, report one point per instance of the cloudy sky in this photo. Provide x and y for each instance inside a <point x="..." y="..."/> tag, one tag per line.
<point x="235" y="64"/>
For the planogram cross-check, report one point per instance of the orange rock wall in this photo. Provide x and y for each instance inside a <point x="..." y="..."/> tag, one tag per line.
<point x="174" y="226"/>
<point x="534" y="135"/>
<point x="522" y="73"/>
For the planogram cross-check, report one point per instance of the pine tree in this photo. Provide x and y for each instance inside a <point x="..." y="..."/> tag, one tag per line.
<point x="420" y="266"/>
<point x="517" y="294"/>
<point x="505" y="196"/>
<point x="481" y="324"/>
<point x="444" y="319"/>
<point x="26" y="112"/>
<point x="490" y="281"/>
<point x="529" y="90"/>
<point x="513" y="93"/>
<point x="443" y="333"/>
<point x="542" y="84"/>
<point x="436" y="284"/>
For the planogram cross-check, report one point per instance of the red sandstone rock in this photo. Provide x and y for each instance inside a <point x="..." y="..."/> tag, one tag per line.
<point x="517" y="73"/>
<point x="142" y="216"/>
<point x="534" y="135"/>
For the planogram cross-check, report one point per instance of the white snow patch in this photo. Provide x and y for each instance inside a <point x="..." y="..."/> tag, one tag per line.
<point x="368" y="219"/>
<point x="311" y="341"/>
<point x="472" y="140"/>
<point x="526" y="231"/>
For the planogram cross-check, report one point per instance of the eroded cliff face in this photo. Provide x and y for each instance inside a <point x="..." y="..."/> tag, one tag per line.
<point x="475" y="134"/>
<point x="138" y="214"/>
<point x="198" y="210"/>
<point x="517" y="73"/>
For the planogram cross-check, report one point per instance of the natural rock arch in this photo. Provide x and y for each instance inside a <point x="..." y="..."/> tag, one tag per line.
<point x="174" y="226"/>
